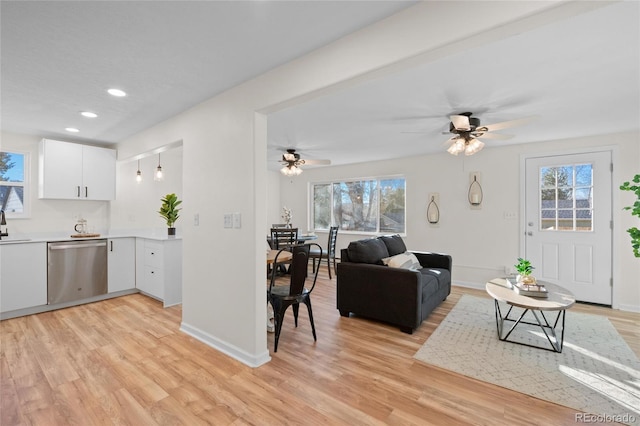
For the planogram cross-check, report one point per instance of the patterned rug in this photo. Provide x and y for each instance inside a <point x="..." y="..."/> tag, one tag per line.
<point x="596" y="372"/>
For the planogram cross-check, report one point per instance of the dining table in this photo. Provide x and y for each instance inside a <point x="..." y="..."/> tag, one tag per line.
<point x="300" y="239"/>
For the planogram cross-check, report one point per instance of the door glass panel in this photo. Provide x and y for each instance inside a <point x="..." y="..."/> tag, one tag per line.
<point x="566" y="198"/>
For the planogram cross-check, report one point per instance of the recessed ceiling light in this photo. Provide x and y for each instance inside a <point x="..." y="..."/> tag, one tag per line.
<point x="72" y="129"/>
<point x="89" y="114"/>
<point x="116" y="92"/>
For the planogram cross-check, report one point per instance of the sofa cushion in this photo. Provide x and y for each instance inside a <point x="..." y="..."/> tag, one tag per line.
<point x="395" y="244"/>
<point x="443" y="276"/>
<point x="404" y="260"/>
<point x="372" y="251"/>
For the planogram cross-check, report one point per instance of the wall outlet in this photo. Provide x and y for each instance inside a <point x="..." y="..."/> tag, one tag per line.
<point x="196" y="219"/>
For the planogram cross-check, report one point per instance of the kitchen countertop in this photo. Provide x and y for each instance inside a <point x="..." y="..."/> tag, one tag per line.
<point x="150" y="234"/>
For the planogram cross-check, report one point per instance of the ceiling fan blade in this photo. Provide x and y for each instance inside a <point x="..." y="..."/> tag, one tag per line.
<point x="317" y="162"/>
<point x="460" y="122"/>
<point x="497" y="136"/>
<point x="507" y="124"/>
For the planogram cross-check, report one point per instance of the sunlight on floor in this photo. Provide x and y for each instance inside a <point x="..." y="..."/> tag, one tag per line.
<point x="628" y="396"/>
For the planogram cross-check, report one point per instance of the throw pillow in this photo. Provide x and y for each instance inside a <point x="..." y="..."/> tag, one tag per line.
<point x="395" y="244"/>
<point x="371" y="251"/>
<point x="404" y="260"/>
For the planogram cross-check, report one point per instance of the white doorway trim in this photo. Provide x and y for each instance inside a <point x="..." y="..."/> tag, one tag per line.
<point x="615" y="201"/>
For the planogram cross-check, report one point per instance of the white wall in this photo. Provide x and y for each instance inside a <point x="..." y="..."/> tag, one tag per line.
<point x="482" y="242"/>
<point x="223" y="269"/>
<point x="136" y="205"/>
<point x="50" y="217"/>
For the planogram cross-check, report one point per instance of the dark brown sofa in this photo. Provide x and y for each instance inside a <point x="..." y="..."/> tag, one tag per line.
<point x="401" y="296"/>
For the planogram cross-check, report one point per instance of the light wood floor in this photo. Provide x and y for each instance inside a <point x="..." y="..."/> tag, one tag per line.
<point x="124" y="361"/>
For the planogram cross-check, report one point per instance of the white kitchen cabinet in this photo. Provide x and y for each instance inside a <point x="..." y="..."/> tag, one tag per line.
<point x="159" y="269"/>
<point x="76" y="172"/>
<point x="23" y="276"/>
<point x="121" y="264"/>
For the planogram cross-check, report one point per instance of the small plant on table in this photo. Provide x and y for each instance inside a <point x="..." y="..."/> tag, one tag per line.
<point x="525" y="269"/>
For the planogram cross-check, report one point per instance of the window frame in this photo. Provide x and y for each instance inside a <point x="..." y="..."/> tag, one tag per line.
<point x="25" y="184"/>
<point x="574" y="187"/>
<point x="331" y="183"/>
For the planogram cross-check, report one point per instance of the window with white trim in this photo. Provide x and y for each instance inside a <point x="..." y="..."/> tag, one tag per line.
<point x="14" y="170"/>
<point x="375" y="205"/>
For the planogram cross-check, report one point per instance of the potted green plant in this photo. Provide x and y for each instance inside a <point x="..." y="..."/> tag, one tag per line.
<point x="524" y="269"/>
<point x="635" y="211"/>
<point x="169" y="211"/>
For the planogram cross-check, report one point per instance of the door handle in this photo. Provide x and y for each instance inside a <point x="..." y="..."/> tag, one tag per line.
<point x="530" y="233"/>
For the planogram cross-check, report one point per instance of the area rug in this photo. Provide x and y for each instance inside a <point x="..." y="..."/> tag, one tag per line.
<point x="596" y="372"/>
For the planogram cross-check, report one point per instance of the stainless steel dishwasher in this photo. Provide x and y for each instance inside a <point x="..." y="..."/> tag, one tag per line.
<point x="76" y="270"/>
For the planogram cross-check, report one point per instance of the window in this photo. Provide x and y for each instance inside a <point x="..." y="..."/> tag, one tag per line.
<point x="13" y="170"/>
<point x="366" y="206"/>
<point x="566" y="198"/>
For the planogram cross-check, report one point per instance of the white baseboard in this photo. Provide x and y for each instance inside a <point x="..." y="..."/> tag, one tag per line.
<point x="629" y="308"/>
<point x="226" y="348"/>
<point x="467" y="284"/>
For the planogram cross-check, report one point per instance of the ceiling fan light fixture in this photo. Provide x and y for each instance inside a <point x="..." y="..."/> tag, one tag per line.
<point x="291" y="170"/>
<point x="457" y="147"/>
<point x="473" y="146"/>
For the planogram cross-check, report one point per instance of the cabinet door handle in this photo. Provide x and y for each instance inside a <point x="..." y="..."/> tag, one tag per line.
<point x="111" y="245"/>
<point x="86" y="192"/>
<point x="78" y="191"/>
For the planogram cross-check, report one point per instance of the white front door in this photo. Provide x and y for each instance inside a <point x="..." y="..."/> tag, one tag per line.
<point x="568" y="222"/>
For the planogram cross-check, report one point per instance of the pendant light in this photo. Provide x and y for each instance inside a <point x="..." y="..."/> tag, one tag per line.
<point x="138" y="173"/>
<point x="159" y="175"/>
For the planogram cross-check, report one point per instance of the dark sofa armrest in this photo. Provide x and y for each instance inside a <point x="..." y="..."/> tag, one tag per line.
<point x="434" y="260"/>
<point x="388" y="294"/>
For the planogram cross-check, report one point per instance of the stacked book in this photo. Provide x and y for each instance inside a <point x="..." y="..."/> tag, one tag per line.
<point x="531" y="290"/>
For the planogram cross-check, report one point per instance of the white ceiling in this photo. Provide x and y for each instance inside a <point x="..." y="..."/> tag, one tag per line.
<point x="58" y="58"/>
<point x="581" y="75"/>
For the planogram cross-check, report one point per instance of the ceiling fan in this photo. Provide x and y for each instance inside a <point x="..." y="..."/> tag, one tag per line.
<point x="292" y="162"/>
<point x="467" y="130"/>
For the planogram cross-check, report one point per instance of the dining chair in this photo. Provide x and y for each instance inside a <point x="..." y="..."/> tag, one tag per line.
<point x="283" y="238"/>
<point x="329" y="254"/>
<point x="293" y="293"/>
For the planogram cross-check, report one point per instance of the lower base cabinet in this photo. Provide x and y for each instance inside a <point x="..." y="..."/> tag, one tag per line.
<point x="121" y="271"/>
<point x="159" y="269"/>
<point x="23" y="276"/>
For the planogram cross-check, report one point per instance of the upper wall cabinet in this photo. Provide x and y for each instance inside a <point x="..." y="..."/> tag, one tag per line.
<point x="72" y="171"/>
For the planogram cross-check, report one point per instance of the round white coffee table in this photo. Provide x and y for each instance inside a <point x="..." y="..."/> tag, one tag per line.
<point x="558" y="299"/>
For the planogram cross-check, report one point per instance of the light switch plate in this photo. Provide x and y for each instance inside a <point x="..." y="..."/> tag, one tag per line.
<point x="237" y="220"/>
<point x="228" y="220"/>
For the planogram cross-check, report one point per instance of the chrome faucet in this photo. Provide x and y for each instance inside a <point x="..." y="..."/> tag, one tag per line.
<point x="3" y="222"/>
